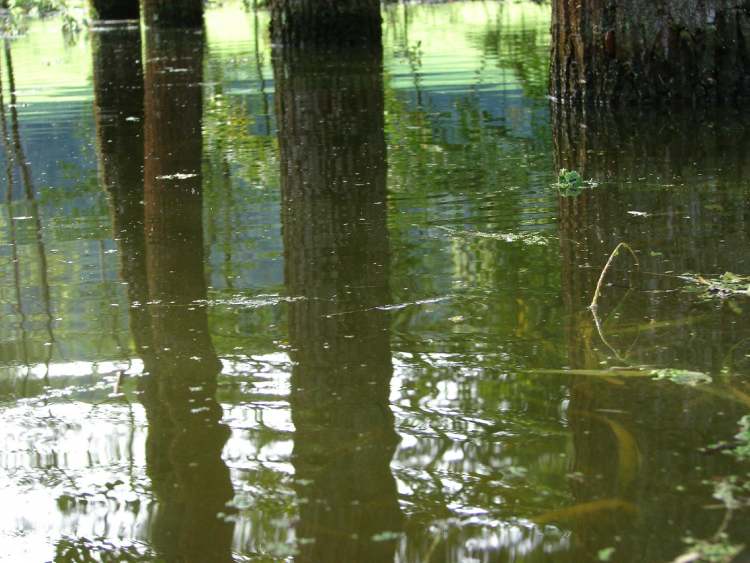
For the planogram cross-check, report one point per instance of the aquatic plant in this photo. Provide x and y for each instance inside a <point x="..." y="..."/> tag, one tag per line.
<point x="570" y="183"/>
<point x="726" y="285"/>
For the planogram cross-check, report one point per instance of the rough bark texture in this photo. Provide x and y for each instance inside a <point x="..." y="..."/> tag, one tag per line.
<point x="173" y="13"/>
<point x="644" y="51"/>
<point x="115" y="9"/>
<point x="333" y="178"/>
<point x="305" y="23"/>
<point x="185" y="442"/>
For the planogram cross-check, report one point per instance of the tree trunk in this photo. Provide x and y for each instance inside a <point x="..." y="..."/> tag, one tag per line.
<point x="173" y="13"/>
<point x="641" y="51"/>
<point x="186" y="436"/>
<point x="114" y="9"/>
<point x="336" y="251"/>
<point x="304" y="23"/>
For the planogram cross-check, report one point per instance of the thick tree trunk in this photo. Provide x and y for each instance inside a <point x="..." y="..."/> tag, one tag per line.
<point x="333" y="179"/>
<point x="114" y="9"/>
<point x="642" y="51"/>
<point x="186" y="436"/>
<point x="173" y="13"/>
<point x="304" y="23"/>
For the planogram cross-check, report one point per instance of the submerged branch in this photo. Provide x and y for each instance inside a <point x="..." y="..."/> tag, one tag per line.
<point x="598" y="289"/>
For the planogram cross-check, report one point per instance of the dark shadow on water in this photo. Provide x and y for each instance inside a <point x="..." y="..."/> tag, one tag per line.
<point x="150" y="150"/>
<point x="333" y="178"/>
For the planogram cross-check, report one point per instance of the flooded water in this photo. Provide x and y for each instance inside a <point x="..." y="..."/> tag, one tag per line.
<point x="265" y="307"/>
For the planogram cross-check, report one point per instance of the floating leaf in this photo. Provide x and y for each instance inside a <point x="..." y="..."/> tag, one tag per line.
<point x="386" y="536"/>
<point x="682" y="376"/>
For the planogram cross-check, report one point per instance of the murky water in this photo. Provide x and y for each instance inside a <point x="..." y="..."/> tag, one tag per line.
<point x="327" y="310"/>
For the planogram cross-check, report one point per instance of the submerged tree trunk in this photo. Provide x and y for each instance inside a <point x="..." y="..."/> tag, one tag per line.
<point x="642" y="51"/>
<point x="115" y="9"/>
<point x="336" y="252"/>
<point x="325" y="22"/>
<point x="173" y="13"/>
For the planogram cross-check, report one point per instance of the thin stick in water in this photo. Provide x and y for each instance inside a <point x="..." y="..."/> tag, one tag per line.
<point x="598" y="289"/>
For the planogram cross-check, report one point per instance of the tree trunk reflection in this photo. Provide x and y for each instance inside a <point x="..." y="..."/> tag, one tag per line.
<point x="186" y="436"/>
<point x="650" y="197"/>
<point x="333" y="174"/>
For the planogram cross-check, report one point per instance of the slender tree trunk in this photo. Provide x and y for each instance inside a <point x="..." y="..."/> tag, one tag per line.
<point x="642" y="51"/>
<point x="173" y="13"/>
<point x="114" y="9"/>
<point x="186" y="436"/>
<point x="305" y="23"/>
<point x="333" y="179"/>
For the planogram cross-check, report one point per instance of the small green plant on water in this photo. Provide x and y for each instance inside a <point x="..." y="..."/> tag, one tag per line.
<point x="570" y="183"/>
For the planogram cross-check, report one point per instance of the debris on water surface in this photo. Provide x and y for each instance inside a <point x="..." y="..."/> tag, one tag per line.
<point x="526" y="237"/>
<point x="682" y="376"/>
<point x="176" y="176"/>
<point x="386" y="536"/>
<point x="726" y="285"/>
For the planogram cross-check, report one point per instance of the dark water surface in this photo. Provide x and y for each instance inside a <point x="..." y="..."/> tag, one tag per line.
<point x="315" y="309"/>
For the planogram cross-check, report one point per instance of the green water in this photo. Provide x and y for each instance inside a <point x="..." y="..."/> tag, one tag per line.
<point x="330" y="309"/>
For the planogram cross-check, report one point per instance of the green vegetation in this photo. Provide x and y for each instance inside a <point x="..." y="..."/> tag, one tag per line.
<point x="570" y="183"/>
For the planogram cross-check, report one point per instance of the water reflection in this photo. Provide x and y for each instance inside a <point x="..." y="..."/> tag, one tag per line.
<point x="186" y="436"/>
<point x="679" y="217"/>
<point x="17" y="163"/>
<point x="337" y="259"/>
<point x="389" y="359"/>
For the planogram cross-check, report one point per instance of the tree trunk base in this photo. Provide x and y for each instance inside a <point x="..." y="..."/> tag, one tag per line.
<point x="637" y="52"/>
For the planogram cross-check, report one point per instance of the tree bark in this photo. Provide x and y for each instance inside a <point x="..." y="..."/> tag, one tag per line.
<point x="333" y="180"/>
<point x="305" y="23"/>
<point x="114" y="9"/>
<point x="173" y="13"/>
<point x="641" y="51"/>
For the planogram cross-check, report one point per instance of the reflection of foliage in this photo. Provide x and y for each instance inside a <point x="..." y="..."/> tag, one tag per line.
<point x="101" y="550"/>
<point x="69" y="11"/>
